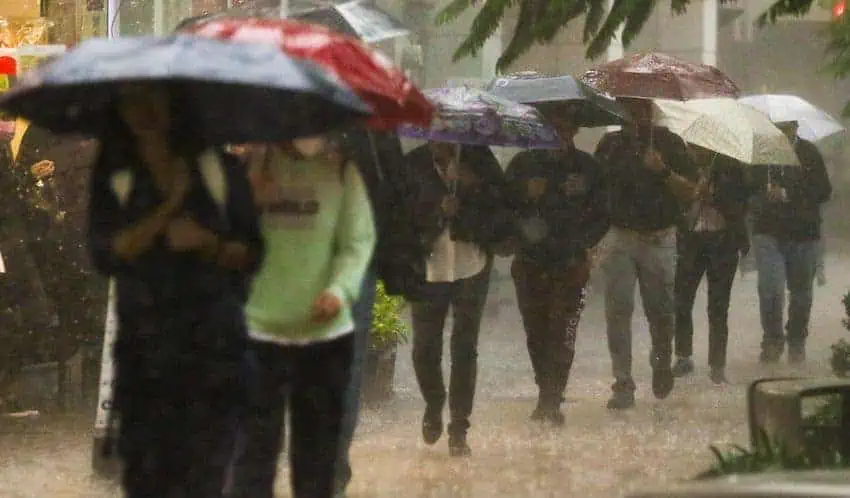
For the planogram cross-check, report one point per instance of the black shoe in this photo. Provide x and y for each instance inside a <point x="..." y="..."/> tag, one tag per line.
<point x="623" y="397"/>
<point x="684" y="366"/>
<point x="432" y="425"/>
<point x="796" y="355"/>
<point x="550" y="414"/>
<point x="662" y="382"/>
<point x="718" y="375"/>
<point x="458" y="446"/>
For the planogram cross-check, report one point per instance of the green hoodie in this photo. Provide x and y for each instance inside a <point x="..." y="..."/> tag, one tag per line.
<point x="320" y="234"/>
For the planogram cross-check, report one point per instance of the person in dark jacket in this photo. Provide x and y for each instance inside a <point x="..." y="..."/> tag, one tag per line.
<point x="787" y="230"/>
<point x="459" y="204"/>
<point x="648" y="177"/>
<point x="560" y="198"/>
<point x="715" y="233"/>
<point x="181" y="247"/>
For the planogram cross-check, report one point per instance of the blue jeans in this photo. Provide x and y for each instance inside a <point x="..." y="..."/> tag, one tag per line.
<point x="362" y="311"/>
<point x="652" y="265"/>
<point x="780" y="265"/>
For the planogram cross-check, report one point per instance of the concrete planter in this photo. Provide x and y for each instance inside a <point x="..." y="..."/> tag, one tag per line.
<point x="379" y="375"/>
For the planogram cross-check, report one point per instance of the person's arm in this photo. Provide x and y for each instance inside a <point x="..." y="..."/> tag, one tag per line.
<point x="242" y="247"/>
<point x="354" y="240"/>
<point x="814" y="187"/>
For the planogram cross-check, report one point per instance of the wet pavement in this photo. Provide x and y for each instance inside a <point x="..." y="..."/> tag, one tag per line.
<point x="597" y="454"/>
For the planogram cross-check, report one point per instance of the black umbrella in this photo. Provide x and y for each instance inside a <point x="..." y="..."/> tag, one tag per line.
<point x="360" y="19"/>
<point x="238" y="92"/>
<point x="553" y="93"/>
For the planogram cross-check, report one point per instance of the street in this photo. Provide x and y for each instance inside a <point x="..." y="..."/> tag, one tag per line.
<point x="597" y="454"/>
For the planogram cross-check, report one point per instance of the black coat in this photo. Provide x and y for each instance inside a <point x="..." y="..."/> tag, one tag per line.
<point x="484" y="216"/>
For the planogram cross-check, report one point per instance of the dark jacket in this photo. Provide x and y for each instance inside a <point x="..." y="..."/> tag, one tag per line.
<point x="732" y="190"/>
<point x="807" y="186"/>
<point x="639" y="199"/>
<point x="398" y="258"/>
<point x="575" y="221"/>
<point x="484" y="216"/>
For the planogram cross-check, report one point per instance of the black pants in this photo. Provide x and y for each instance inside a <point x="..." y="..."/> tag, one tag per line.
<point x="715" y="255"/>
<point x="550" y="299"/>
<point x="466" y="298"/>
<point x="312" y="382"/>
<point x="179" y="383"/>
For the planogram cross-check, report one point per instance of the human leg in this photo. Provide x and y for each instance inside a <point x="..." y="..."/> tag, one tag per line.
<point x="771" y="290"/>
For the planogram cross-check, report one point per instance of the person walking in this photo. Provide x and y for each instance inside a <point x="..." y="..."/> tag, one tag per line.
<point x="648" y="173"/>
<point x="175" y="225"/>
<point x="379" y="157"/>
<point x="458" y="198"/>
<point x="320" y="235"/>
<point x="709" y="245"/>
<point x="560" y="197"/>
<point x="787" y="234"/>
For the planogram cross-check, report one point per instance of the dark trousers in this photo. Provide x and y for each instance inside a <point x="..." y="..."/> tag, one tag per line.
<point x="715" y="255"/>
<point x="362" y="311"/>
<point x="178" y="385"/>
<point x="550" y="298"/>
<point x="466" y="298"/>
<point x="311" y="381"/>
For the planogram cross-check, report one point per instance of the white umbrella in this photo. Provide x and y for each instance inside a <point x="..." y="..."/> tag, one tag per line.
<point x="814" y="123"/>
<point x="728" y="127"/>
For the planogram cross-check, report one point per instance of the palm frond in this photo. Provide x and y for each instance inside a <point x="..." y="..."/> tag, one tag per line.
<point x="595" y="14"/>
<point x="453" y="10"/>
<point x="483" y="27"/>
<point x="640" y="13"/>
<point x="522" y="38"/>
<point x="784" y="8"/>
<point x="618" y="14"/>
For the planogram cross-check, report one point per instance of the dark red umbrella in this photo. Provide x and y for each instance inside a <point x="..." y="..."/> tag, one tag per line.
<point x="659" y="76"/>
<point x="394" y="98"/>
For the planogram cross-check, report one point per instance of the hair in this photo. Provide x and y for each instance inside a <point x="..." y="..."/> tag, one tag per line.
<point x="185" y="135"/>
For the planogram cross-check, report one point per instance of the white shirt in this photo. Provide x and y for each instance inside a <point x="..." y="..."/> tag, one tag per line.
<point x="452" y="260"/>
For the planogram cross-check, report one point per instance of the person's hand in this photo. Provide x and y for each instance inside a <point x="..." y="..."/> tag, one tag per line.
<point x="776" y="193"/>
<point x="449" y="206"/>
<point x="536" y="187"/>
<point x="653" y="161"/>
<point x="184" y="234"/>
<point x="233" y="255"/>
<point x="43" y="169"/>
<point x="326" y="307"/>
<point x="466" y="177"/>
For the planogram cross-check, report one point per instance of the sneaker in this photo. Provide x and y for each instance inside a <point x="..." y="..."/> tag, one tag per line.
<point x="458" y="446"/>
<point x="718" y="375"/>
<point x="662" y="382"/>
<point x="684" y="366"/>
<point x="796" y="355"/>
<point x="623" y="397"/>
<point x="432" y="425"/>
<point x="770" y="355"/>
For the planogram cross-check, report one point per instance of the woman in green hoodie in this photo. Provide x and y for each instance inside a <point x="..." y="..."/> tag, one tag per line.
<point x="317" y="222"/>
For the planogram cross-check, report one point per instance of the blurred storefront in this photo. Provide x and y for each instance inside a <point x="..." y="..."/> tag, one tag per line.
<point x="158" y="17"/>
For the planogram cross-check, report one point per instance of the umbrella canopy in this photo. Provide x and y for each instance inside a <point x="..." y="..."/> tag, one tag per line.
<point x="238" y="93"/>
<point x="814" y="124"/>
<point x="360" y="19"/>
<point x="371" y="74"/>
<point x="728" y="127"/>
<point x="588" y="107"/>
<point x="474" y="117"/>
<point x="656" y="75"/>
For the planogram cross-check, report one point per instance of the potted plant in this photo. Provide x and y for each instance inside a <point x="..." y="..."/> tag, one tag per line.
<point x="840" y="360"/>
<point x="388" y="331"/>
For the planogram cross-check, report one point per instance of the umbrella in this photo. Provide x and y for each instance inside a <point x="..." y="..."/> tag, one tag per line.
<point x="656" y="75"/>
<point x="728" y="127"/>
<point x="370" y="73"/>
<point x="239" y="93"/>
<point x="813" y="123"/>
<point x="359" y="19"/>
<point x="587" y="107"/>
<point x="470" y="116"/>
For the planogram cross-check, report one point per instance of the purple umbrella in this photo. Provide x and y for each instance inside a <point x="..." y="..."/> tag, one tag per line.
<point x="473" y="117"/>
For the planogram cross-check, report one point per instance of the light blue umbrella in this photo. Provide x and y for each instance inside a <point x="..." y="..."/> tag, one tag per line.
<point x="236" y="92"/>
<point x="814" y="124"/>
